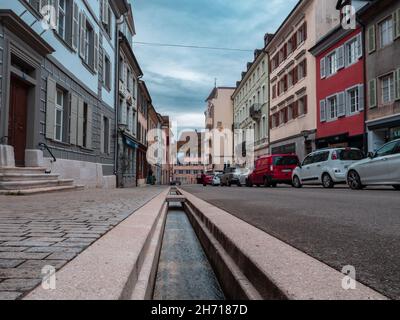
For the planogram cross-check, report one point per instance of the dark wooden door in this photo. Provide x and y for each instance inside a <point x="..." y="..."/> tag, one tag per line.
<point x="17" y="119"/>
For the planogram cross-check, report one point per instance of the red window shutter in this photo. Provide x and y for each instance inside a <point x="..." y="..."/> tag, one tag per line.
<point x="279" y="87"/>
<point x="285" y="82"/>
<point x="285" y="51"/>
<point x="294" y="41"/>
<point x="270" y="121"/>
<point x="285" y="115"/>
<point x="295" y="75"/>
<point x="305" y="31"/>
<point x="274" y="91"/>
<point x="277" y="119"/>
<point x="295" y="109"/>
<point x="305" y="102"/>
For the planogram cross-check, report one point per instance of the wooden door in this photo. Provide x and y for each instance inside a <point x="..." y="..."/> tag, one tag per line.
<point x="17" y="119"/>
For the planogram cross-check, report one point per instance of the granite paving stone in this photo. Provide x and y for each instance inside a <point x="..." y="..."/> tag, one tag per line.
<point x="52" y="230"/>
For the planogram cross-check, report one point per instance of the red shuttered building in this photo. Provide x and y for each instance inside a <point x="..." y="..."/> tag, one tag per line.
<point x="340" y="89"/>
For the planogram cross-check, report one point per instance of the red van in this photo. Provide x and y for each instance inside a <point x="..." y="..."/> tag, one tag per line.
<point x="273" y="169"/>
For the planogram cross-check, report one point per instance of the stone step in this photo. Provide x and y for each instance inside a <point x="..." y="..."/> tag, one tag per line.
<point x="33" y="184"/>
<point x="37" y="190"/>
<point x="22" y="170"/>
<point x="27" y="176"/>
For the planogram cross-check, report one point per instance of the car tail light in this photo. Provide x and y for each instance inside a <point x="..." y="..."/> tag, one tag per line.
<point x="271" y="168"/>
<point x="334" y="156"/>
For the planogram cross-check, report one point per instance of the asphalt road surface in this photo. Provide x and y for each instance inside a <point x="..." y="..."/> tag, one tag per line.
<point x="339" y="227"/>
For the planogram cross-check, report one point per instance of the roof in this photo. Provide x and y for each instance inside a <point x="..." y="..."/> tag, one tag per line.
<point x="213" y="93"/>
<point x="145" y="90"/>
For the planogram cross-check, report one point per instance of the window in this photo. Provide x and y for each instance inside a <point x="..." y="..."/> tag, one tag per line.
<point x="59" y="115"/>
<point x="106" y="16"/>
<point x="386" y="32"/>
<point x="387" y="87"/>
<point x="106" y="135"/>
<point x="85" y="125"/>
<point x="308" y="160"/>
<point x="107" y="72"/>
<point x="352" y="51"/>
<point x="61" y="18"/>
<point x="332" y="66"/>
<point x="128" y="79"/>
<point x="386" y="150"/>
<point x="88" y="36"/>
<point x="332" y="107"/>
<point x="353" y="99"/>
<point x="302" y="69"/>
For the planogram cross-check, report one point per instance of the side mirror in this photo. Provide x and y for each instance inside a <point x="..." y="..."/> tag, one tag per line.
<point x="371" y="155"/>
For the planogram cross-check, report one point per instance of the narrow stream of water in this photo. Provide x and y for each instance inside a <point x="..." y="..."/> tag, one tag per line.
<point x="184" y="272"/>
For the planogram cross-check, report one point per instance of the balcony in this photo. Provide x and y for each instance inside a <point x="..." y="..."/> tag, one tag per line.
<point x="255" y="111"/>
<point x="209" y="123"/>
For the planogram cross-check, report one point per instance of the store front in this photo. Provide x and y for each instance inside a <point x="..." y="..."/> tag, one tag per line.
<point x="382" y="131"/>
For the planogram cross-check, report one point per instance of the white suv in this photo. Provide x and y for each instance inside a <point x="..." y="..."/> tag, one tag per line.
<point x="379" y="168"/>
<point x="327" y="167"/>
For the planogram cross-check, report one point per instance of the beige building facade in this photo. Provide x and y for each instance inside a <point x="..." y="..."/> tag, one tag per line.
<point x="293" y="76"/>
<point x="219" y="120"/>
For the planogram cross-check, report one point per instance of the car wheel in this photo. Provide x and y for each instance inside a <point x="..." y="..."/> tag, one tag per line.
<point x="354" y="181"/>
<point x="297" y="182"/>
<point x="249" y="183"/>
<point x="228" y="184"/>
<point x="266" y="182"/>
<point x="327" y="181"/>
<point x="397" y="186"/>
<point x="239" y="184"/>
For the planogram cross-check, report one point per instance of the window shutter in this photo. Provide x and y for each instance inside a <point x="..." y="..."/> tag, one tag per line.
<point x="295" y="109"/>
<point x="359" y="46"/>
<point x="74" y="119"/>
<point x="305" y="31"/>
<point x="322" y="107"/>
<point x="82" y="51"/>
<point x="340" y="57"/>
<point x="397" y="84"/>
<point x="50" y="107"/>
<point x="371" y="39"/>
<point x="285" y="115"/>
<point x="55" y="18"/>
<point x="109" y="137"/>
<point x="104" y="11"/>
<point x="123" y="113"/>
<point x="305" y="68"/>
<point x="101" y="133"/>
<point x="75" y="26"/>
<point x="361" y="100"/>
<point x="396" y="28"/>
<point x="80" y="122"/>
<point x="341" y="104"/>
<point x="372" y="93"/>
<point x="96" y="52"/>
<point x="89" y="127"/>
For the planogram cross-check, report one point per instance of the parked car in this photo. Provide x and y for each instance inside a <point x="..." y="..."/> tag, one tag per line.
<point x="379" y="168"/>
<point x="216" y="180"/>
<point x="232" y="175"/>
<point x="206" y="179"/>
<point x="175" y="183"/>
<point x="273" y="169"/>
<point x="244" y="175"/>
<point x="327" y="167"/>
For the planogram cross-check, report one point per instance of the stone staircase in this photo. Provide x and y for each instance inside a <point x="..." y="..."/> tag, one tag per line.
<point x="27" y="181"/>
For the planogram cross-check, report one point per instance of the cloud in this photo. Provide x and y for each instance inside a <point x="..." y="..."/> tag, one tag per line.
<point x="180" y="79"/>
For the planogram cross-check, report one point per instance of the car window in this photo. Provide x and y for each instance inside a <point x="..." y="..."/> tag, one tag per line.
<point x="351" y="155"/>
<point x="321" y="157"/>
<point x="386" y="150"/>
<point x="308" y="160"/>
<point x="396" y="149"/>
<point x="286" y="161"/>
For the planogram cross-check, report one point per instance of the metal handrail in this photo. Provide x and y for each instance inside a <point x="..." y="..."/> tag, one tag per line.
<point x="43" y="145"/>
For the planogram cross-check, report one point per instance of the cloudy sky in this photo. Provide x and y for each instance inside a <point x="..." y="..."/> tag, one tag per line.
<point x="180" y="79"/>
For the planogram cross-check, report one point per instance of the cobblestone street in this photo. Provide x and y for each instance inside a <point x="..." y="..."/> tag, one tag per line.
<point x="52" y="230"/>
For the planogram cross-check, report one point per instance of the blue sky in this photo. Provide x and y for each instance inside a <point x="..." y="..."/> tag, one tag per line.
<point x="180" y="79"/>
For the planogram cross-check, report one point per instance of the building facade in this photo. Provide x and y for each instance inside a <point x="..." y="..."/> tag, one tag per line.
<point x="219" y="118"/>
<point x="382" y="49"/>
<point x="251" y="102"/>
<point x="144" y="103"/>
<point x="340" y="89"/>
<point x="129" y="73"/>
<point x="167" y="136"/>
<point x="293" y="110"/>
<point x="55" y="88"/>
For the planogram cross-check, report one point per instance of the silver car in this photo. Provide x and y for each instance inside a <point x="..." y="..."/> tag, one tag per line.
<point x="379" y="168"/>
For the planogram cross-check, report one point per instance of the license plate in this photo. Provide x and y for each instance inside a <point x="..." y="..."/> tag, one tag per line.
<point x="287" y="170"/>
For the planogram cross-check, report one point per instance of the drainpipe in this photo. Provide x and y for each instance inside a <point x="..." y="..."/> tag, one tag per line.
<point x="363" y="36"/>
<point x="117" y="106"/>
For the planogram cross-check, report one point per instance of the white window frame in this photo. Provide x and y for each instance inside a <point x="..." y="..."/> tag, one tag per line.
<point x="386" y="32"/>
<point x="59" y="108"/>
<point x="351" y="51"/>
<point x="332" y="63"/>
<point x="62" y="12"/>
<point x="349" y="100"/>
<point x="329" y="110"/>
<point x="390" y="88"/>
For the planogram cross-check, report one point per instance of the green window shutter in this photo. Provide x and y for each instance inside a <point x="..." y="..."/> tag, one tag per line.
<point x="372" y="93"/>
<point x="322" y="107"/>
<point x="82" y="32"/>
<point x="75" y="26"/>
<point x="89" y="125"/>
<point x="96" y="52"/>
<point x="396" y="20"/>
<point x="80" y="122"/>
<point x="361" y="97"/>
<point x="397" y="84"/>
<point x="109" y="136"/>
<point x="371" y="39"/>
<point x="50" y="107"/>
<point x="74" y="119"/>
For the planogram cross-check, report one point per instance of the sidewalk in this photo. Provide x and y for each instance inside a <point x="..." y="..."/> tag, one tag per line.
<point x="53" y="229"/>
